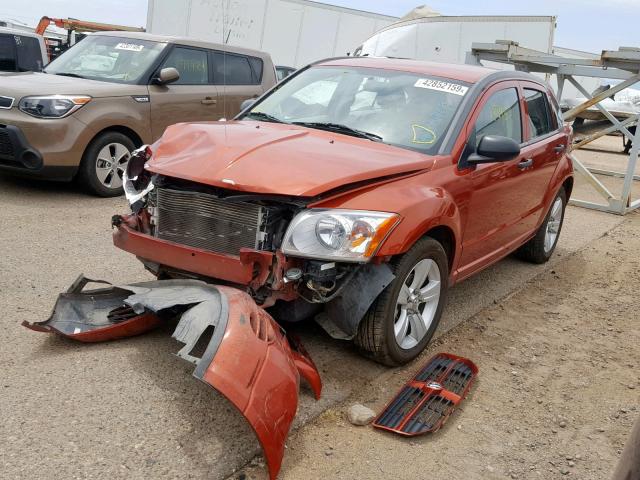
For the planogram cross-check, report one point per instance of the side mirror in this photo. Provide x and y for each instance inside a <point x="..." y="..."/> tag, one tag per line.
<point x="247" y="104"/>
<point x="166" y="76"/>
<point x="494" y="148"/>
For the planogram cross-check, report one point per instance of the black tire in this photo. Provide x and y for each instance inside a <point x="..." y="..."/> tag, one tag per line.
<point x="534" y="250"/>
<point x="375" y="337"/>
<point x="88" y="172"/>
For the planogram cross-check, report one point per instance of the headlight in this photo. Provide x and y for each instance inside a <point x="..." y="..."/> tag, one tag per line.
<point x="334" y="234"/>
<point x="53" y="106"/>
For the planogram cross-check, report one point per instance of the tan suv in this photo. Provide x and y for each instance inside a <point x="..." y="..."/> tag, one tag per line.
<point x="113" y="92"/>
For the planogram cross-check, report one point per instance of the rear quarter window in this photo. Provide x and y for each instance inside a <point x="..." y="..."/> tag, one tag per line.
<point x="233" y="69"/>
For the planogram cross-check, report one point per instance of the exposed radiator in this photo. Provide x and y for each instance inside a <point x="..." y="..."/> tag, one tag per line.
<point x="203" y="221"/>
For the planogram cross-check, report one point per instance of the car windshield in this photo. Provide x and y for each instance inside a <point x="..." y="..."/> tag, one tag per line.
<point x="110" y="59"/>
<point x="399" y="108"/>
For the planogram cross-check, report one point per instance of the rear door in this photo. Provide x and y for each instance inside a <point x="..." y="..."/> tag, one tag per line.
<point x="545" y="144"/>
<point x="496" y="204"/>
<point x="238" y="78"/>
<point x="190" y="99"/>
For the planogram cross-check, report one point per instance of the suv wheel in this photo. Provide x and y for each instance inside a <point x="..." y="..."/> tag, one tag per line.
<point x="402" y="320"/>
<point x="540" y="248"/>
<point x="104" y="162"/>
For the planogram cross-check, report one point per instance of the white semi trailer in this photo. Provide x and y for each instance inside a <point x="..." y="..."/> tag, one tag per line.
<point x="294" y="32"/>
<point x="427" y="35"/>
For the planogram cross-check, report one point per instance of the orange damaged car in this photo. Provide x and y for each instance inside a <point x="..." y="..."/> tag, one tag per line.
<point x="361" y="187"/>
<point x="355" y="192"/>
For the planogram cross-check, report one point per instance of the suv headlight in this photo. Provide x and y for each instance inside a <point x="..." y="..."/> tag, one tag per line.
<point x="334" y="234"/>
<point x="52" y="106"/>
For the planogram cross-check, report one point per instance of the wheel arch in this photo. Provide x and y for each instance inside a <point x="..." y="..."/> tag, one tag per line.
<point x="127" y="131"/>
<point x="446" y="237"/>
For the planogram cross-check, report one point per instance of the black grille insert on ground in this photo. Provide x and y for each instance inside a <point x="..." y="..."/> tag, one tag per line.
<point x="425" y="403"/>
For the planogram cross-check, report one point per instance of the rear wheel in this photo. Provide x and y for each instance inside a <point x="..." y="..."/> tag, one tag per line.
<point x="402" y="320"/>
<point x="540" y="248"/>
<point x="104" y="162"/>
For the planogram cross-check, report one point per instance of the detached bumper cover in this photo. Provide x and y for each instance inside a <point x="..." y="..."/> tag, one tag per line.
<point x="247" y="357"/>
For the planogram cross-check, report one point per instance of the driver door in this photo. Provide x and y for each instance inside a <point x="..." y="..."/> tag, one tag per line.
<point x="192" y="98"/>
<point x="497" y="203"/>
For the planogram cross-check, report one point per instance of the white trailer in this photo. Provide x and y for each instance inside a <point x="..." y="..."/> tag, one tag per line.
<point x="294" y="32"/>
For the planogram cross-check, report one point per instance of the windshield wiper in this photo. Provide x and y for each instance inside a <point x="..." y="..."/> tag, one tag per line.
<point x="264" y="117"/>
<point x="66" y="74"/>
<point x="337" y="127"/>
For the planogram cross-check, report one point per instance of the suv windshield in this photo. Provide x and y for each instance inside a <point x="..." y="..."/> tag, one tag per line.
<point x="399" y="108"/>
<point x="110" y="59"/>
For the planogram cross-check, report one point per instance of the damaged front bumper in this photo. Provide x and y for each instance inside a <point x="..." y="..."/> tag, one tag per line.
<point x="237" y="348"/>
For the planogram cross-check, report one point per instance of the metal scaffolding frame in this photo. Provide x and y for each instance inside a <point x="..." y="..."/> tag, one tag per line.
<point x="622" y="64"/>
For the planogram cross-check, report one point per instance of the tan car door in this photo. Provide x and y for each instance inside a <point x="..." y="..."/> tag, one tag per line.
<point x="192" y="98"/>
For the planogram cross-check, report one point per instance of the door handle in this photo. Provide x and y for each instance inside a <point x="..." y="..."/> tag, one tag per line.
<point x="525" y="163"/>
<point x="559" y="148"/>
<point x="208" y="101"/>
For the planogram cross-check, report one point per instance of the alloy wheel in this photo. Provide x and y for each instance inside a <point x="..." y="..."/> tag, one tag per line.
<point x="111" y="163"/>
<point x="553" y="225"/>
<point x="417" y="303"/>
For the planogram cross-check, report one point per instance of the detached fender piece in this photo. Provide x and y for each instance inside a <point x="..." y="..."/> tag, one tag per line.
<point x="247" y="357"/>
<point x="346" y="310"/>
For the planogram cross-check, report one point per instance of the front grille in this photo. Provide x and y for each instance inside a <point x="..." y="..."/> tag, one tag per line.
<point x="6" y="146"/>
<point x="204" y="221"/>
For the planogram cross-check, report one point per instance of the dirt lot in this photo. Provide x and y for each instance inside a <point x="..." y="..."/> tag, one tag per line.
<point x="131" y="409"/>
<point x="557" y="394"/>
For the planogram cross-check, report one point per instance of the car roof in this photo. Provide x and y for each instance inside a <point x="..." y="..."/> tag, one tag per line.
<point x="190" y="42"/>
<point x="463" y="73"/>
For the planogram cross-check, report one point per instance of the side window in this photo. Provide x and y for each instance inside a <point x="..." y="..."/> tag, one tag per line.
<point x="500" y="116"/>
<point x="230" y="69"/>
<point x="540" y="119"/>
<point x="28" y="53"/>
<point x="192" y="65"/>
<point x="7" y="54"/>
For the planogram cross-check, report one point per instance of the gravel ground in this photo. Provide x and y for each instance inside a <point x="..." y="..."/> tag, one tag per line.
<point x="556" y="397"/>
<point x="131" y="409"/>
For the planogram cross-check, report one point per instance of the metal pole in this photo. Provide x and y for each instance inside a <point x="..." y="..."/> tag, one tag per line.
<point x="631" y="170"/>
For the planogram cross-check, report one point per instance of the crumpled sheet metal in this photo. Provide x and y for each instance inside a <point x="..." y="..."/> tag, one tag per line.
<point x="248" y="358"/>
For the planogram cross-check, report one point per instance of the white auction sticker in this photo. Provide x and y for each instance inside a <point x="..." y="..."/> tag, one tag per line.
<point x="441" y="86"/>
<point x="132" y="47"/>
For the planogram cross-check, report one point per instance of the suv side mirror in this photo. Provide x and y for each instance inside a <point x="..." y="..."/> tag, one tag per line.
<point x="166" y="76"/>
<point x="494" y="148"/>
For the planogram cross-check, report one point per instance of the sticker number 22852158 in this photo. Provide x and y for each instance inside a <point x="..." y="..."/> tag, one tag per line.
<point x="441" y="86"/>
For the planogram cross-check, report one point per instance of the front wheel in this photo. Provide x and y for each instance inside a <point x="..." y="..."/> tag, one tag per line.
<point x="402" y="320"/>
<point x="540" y="248"/>
<point x="104" y="162"/>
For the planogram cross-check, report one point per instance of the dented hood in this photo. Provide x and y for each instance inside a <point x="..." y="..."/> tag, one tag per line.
<point x="274" y="158"/>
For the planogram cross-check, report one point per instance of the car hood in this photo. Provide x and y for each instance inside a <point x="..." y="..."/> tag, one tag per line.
<point x="275" y="158"/>
<point x="21" y="84"/>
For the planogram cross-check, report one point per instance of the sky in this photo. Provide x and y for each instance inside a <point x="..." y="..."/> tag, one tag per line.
<point x="591" y="25"/>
